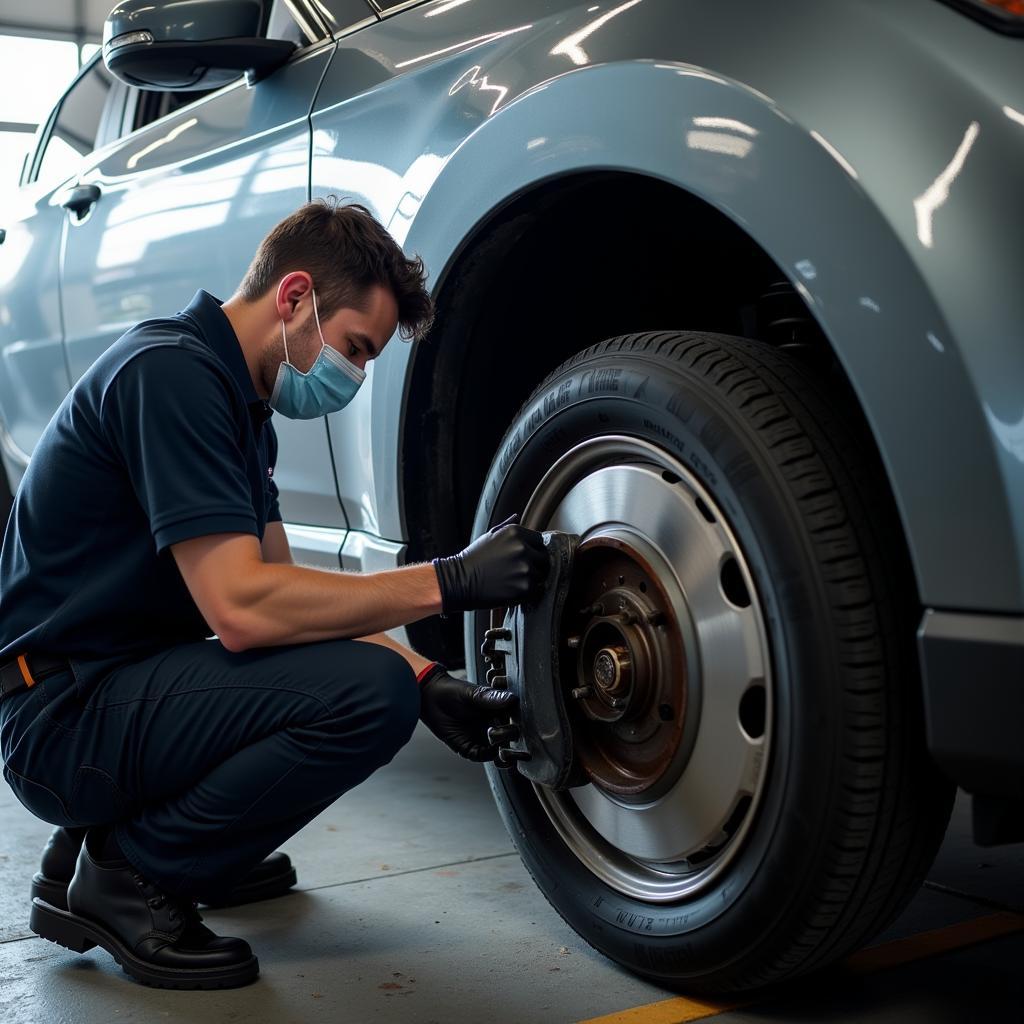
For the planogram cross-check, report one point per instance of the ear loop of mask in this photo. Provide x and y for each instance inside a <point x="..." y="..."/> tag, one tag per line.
<point x="323" y="343"/>
<point x="284" y="338"/>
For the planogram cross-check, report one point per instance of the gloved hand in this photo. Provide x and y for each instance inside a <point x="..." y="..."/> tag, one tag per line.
<point x="502" y="567"/>
<point x="458" y="712"/>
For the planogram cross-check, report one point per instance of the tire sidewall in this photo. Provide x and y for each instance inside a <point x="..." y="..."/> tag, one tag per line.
<point x="661" y="402"/>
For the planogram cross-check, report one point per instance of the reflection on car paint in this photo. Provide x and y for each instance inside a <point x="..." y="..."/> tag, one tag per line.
<point x="937" y="193"/>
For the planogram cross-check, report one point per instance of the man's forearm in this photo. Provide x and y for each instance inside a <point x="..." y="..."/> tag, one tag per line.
<point x="285" y="604"/>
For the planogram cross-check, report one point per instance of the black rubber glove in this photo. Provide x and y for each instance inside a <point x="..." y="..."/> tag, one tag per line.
<point x="500" y="568"/>
<point x="459" y="713"/>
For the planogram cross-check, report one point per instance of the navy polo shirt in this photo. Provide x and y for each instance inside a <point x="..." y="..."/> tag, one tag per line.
<point x="162" y="439"/>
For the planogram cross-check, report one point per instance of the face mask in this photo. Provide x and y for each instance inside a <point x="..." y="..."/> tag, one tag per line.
<point x="329" y="385"/>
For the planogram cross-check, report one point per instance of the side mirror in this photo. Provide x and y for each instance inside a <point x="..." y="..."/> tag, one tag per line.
<point x="184" y="45"/>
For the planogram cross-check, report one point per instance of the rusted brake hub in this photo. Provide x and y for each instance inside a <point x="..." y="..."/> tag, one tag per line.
<point x="626" y="669"/>
<point x="598" y="663"/>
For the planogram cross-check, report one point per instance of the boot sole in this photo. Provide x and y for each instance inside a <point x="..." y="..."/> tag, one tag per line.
<point x="80" y="935"/>
<point x="49" y="890"/>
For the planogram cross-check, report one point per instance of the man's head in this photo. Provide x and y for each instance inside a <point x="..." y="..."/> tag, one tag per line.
<point x="365" y="289"/>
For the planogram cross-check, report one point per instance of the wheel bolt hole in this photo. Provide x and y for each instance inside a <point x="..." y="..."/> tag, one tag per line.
<point x="703" y="509"/>
<point x="669" y="478"/>
<point x="733" y="587"/>
<point x="753" y="706"/>
<point x="643" y="587"/>
<point x="666" y="712"/>
<point x="622" y="579"/>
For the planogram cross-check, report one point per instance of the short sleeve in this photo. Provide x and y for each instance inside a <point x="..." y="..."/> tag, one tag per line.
<point x="170" y="415"/>
<point x="273" y="507"/>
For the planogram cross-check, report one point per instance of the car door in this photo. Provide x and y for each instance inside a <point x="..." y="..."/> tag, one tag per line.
<point x="389" y="170"/>
<point x="34" y="376"/>
<point x="182" y="203"/>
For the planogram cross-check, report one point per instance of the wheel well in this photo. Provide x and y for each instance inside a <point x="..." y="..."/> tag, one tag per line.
<point x="572" y="262"/>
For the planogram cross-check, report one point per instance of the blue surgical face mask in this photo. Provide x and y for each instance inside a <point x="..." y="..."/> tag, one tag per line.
<point x="329" y="385"/>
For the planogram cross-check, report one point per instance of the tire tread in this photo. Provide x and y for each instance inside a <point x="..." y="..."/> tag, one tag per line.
<point x="884" y="834"/>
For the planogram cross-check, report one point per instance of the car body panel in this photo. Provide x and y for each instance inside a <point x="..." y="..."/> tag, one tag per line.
<point x="33" y="372"/>
<point x="838" y="136"/>
<point x="184" y="204"/>
<point x="870" y="148"/>
<point x="977" y="741"/>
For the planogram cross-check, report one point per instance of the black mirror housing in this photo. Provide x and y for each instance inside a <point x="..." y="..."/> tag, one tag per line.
<point x="187" y="45"/>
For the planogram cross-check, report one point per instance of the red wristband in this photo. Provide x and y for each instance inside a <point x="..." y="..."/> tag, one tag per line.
<point x="429" y="672"/>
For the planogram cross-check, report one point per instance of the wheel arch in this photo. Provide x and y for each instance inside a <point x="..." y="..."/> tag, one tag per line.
<point x="801" y="216"/>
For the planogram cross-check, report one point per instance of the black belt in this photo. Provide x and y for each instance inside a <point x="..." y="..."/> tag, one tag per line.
<point x="28" y="669"/>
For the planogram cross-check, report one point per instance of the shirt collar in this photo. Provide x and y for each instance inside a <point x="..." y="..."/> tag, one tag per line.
<point x="205" y="309"/>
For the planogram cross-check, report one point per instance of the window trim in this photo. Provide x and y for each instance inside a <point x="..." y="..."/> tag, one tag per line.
<point x="372" y="18"/>
<point x="387" y="12"/>
<point x="313" y="16"/>
<point x="28" y="163"/>
<point x="44" y="138"/>
<point x="112" y="118"/>
<point x="357" y="26"/>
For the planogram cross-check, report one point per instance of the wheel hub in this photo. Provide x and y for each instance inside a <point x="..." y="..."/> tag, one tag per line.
<point x="613" y="673"/>
<point x="628" y="672"/>
<point x="666" y="654"/>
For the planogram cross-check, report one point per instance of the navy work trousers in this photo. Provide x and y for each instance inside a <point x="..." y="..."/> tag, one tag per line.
<point x="207" y="760"/>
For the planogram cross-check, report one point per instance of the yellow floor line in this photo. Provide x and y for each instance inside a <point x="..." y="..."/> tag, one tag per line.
<point x="667" y="1011"/>
<point x="876" y="958"/>
<point x="939" y="940"/>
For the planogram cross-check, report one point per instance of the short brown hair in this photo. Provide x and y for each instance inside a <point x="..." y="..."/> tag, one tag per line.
<point x="346" y="250"/>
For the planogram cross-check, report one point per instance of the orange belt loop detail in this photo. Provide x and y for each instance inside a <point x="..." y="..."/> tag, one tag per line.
<point x="25" y="674"/>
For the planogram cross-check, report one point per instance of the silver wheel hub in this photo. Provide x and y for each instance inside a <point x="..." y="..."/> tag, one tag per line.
<point x="668" y="665"/>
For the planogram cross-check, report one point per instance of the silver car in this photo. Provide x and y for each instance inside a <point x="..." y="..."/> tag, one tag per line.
<point x="732" y="291"/>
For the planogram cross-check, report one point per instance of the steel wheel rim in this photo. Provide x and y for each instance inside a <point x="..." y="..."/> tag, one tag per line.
<point x="675" y="846"/>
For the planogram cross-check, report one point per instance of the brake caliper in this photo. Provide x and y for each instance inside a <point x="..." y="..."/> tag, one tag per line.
<point x="522" y="655"/>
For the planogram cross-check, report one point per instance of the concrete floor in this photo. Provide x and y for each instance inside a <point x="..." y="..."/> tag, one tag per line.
<point x="412" y="906"/>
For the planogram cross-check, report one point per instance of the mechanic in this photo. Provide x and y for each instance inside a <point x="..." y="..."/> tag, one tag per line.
<point x="178" y="696"/>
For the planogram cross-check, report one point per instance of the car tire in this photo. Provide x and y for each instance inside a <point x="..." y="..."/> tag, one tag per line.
<point x="837" y="811"/>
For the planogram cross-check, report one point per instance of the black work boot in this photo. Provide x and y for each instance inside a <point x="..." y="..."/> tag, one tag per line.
<point x="157" y="939"/>
<point x="273" y="876"/>
<point x="60" y="854"/>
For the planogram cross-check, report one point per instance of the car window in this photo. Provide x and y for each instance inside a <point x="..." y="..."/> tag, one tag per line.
<point x="288" y="20"/>
<point x="73" y="135"/>
<point x="151" y="105"/>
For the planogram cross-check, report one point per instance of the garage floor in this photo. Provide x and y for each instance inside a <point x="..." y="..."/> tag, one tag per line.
<point x="412" y="907"/>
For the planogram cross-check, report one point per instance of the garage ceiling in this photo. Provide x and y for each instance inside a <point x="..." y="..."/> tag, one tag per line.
<point x="68" y="19"/>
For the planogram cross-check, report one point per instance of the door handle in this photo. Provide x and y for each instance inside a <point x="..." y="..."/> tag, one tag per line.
<point x="3" y="235"/>
<point x="81" y="198"/>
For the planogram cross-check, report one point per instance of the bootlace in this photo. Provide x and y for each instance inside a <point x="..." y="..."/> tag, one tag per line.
<point x="156" y="899"/>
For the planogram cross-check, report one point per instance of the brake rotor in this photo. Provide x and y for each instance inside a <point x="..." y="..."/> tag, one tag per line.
<point x="625" y="668"/>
